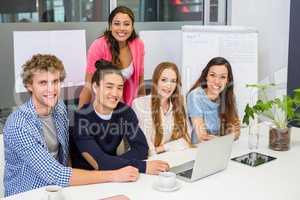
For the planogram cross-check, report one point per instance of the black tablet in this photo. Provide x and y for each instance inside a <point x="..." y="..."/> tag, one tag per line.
<point x="253" y="159"/>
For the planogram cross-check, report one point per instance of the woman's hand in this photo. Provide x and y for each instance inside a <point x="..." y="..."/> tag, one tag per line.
<point x="234" y="128"/>
<point x="160" y="149"/>
<point x="206" y="137"/>
<point x="200" y="128"/>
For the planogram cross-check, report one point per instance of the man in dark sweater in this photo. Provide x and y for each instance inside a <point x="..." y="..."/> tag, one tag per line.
<point x="100" y="127"/>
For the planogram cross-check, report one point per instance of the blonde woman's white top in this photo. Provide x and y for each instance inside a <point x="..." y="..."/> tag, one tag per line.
<point x="142" y="108"/>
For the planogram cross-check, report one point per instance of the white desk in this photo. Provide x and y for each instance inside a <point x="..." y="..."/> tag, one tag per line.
<point x="276" y="180"/>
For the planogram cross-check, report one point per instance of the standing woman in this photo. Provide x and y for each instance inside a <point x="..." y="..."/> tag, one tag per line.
<point x="161" y="115"/>
<point x="211" y="102"/>
<point x="120" y="45"/>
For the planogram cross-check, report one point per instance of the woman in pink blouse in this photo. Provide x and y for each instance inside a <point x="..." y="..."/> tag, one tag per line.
<point x="120" y="45"/>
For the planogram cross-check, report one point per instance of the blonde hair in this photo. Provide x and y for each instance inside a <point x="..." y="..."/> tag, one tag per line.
<point x="42" y="62"/>
<point x="179" y="115"/>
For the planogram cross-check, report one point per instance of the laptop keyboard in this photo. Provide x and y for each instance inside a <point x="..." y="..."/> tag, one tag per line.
<point x="188" y="173"/>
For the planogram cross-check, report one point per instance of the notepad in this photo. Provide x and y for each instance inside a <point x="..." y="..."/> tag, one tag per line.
<point x="116" y="197"/>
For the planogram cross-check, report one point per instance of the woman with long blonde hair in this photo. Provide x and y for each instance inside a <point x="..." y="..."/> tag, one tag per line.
<point x="162" y="114"/>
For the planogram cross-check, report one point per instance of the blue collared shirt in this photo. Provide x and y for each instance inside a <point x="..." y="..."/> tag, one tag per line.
<point x="28" y="163"/>
<point x="199" y="105"/>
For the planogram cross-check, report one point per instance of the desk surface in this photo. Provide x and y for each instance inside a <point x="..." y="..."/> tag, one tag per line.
<point x="276" y="180"/>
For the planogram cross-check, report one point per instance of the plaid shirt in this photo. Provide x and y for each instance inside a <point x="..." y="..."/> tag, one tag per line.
<point x="28" y="163"/>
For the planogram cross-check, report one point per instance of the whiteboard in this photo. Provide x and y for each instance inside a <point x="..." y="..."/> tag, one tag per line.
<point x="237" y="44"/>
<point x="160" y="46"/>
<point x="68" y="45"/>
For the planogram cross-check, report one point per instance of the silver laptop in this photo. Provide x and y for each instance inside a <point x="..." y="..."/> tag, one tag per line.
<point x="211" y="157"/>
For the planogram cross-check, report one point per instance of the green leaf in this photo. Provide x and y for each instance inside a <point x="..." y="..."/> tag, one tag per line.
<point x="262" y="106"/>
<point x="297" y="117"/>
<point x="286" y="105"/>
<point x="249" y="113"/>
<point x="269" y="108"/>
<point x="297" y="91"/>
<point x="288" y="102"/>
<point x="297" y="96"/>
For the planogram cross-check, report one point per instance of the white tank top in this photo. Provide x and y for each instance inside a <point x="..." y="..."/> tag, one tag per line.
<point x="127" y="72"/>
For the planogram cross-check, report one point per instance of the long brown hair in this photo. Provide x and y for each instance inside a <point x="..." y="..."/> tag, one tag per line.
<point x="180" y="122"/>
<point x="227" y="109"/>
<point x="113" y="43"/>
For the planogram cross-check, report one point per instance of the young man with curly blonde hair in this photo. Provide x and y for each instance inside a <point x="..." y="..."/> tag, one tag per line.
<point x="36" y="138"/>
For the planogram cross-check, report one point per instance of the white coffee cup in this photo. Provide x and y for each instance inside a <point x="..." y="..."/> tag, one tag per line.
<point x="167" y="179"/>
<point x="54" y="192"/>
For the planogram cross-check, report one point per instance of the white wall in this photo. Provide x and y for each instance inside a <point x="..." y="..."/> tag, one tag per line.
<point x="271" y="19"/>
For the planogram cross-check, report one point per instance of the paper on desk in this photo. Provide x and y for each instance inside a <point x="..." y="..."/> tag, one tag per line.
<point x="176" y="158"/>
<point x="116" y="197"/>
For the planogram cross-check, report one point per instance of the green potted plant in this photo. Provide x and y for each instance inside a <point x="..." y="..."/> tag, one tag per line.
<point x="279" y="111"/>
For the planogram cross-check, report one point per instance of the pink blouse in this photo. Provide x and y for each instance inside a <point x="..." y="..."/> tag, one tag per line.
<point x="99" y="49"/>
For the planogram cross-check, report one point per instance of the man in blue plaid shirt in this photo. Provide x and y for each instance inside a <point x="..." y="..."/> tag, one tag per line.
<point x="36" y="139"/>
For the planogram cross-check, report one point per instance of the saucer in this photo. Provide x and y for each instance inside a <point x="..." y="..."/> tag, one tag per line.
<point x="158" y="187"/>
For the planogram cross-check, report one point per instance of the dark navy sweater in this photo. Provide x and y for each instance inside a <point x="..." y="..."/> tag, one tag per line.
<point x="100" y="138"/>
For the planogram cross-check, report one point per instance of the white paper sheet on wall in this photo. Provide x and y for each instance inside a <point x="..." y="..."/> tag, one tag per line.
<point x="68" y="45"/>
